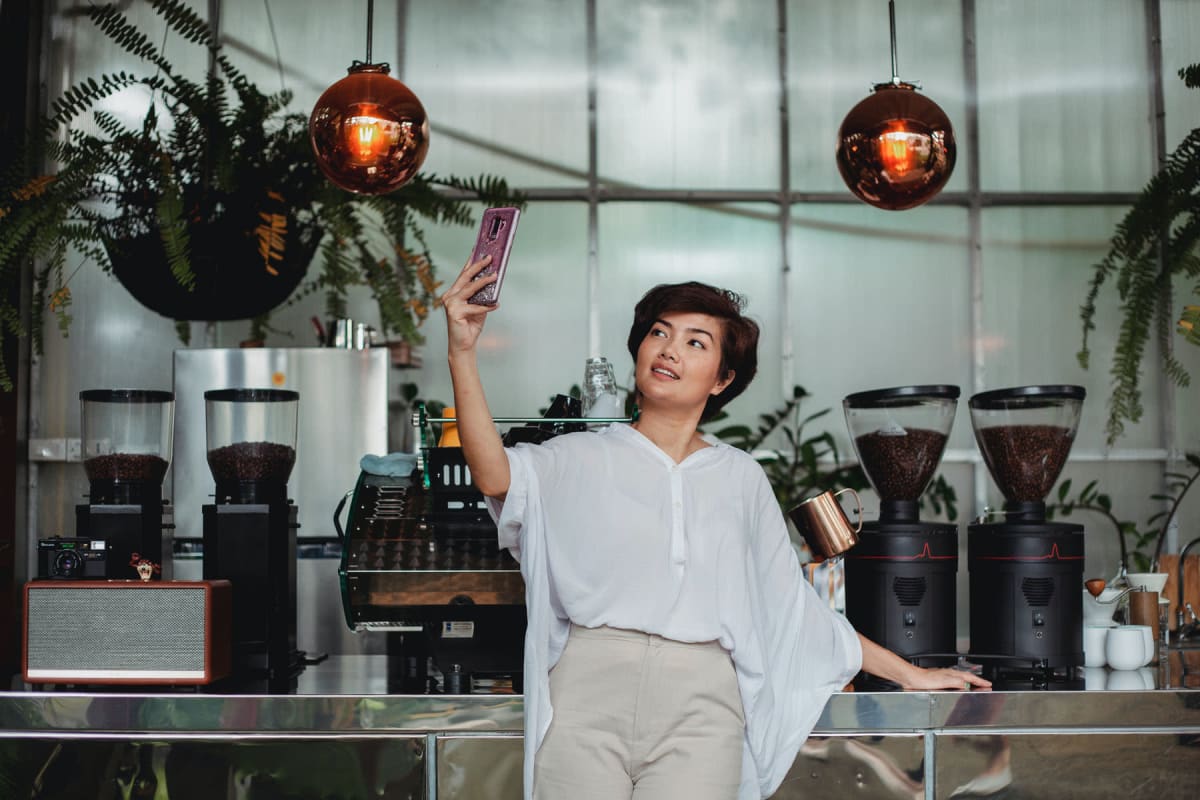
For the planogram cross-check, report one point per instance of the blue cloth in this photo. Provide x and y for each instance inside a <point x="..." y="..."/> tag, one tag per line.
<point x="393" y="465"/>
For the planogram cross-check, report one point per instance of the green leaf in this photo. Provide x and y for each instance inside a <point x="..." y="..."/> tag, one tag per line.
<point x="1064" y="489"/>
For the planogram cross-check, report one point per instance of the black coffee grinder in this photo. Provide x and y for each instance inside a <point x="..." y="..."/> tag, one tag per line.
<point x="900" y="577"/>
<point x="1026" y="574"/>
<point x="250" y="531"/>
<point x="126" y="443"/>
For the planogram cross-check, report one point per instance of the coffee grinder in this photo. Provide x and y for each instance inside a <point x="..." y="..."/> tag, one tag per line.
<point x="126" y="451"/>
<point x="250" y="531"/>
<point x="1026" y="574"/>
<point x="900" y="577"/>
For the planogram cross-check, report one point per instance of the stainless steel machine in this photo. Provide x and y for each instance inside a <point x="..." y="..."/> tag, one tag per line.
<point x="420" y="560"/>
<point x="342" y="415"/>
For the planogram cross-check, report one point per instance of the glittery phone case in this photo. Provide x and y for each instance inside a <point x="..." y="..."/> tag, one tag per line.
<point x="496" y="233"/>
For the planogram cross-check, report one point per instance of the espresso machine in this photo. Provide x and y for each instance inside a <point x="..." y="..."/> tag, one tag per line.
<point x="421" y="563"/>
<point x="1026" y="573"/>
<point x="250" y="529"/>
<point x="126" y="451"/>
<point x="900" y="577"/>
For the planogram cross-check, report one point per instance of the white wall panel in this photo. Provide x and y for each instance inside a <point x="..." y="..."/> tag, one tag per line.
<point x="688" y="93"/>
<point x="505" y="88"/>
<point x="1064" y="95"/>
<point x="1180" y="33"/>
<point x="879" y="299"/>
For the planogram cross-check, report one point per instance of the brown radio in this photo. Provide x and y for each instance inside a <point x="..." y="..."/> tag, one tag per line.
<point x="127" y="632"/>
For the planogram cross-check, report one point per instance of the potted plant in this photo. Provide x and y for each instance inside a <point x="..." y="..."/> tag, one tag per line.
<point x="211" y="207"/>
<point x="1156" y="242"/>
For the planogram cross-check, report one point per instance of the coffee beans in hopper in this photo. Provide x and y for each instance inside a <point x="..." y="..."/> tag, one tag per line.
<point x="252" y="461"/>
<point x="900" y="464"/>
<point x="129" y="467"/>
<point x="1025" y="459"/>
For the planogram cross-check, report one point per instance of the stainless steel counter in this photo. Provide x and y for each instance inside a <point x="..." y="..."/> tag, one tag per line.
<point x="340" y="735"/>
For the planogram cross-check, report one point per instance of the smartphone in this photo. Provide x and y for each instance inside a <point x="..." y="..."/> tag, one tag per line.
<point x="496" y="233"/>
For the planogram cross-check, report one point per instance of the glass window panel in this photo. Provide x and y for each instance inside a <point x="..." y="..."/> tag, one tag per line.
<point x="1037" y="265"/>
<point x="1187" y="404"/>
<point x="1066" y="109"/>
<point x="1180" y="37"/>
<point x="688" y="94"/>
<point x="879" y="299"/>
<point x="838" y="51"/>
<point x="505" y="86"/>
<point x="732" y="246"/>
<point x="535" y="344"/>
<point x="315" y="47"/>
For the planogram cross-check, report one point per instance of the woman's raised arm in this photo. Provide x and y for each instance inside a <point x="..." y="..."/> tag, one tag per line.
<point x="464" y="323"/>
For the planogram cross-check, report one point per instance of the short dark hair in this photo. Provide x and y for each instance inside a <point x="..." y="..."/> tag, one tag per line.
<point x="739" y="337"/>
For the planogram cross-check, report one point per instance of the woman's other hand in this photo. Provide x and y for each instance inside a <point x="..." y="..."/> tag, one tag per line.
<point x="943" y="678"/>
<point x="464" y="320"/>
<point x="878" y="660"/>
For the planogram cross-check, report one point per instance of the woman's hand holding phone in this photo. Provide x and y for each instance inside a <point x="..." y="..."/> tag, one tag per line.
<point x="464" y="319"/>
<point x="496" y="232"/>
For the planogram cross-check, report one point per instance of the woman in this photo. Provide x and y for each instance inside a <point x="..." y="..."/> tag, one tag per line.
<point x="674" y="649"/>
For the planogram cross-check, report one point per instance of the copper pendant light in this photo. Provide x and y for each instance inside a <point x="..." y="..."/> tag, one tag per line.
<point x="896" y="148"/>
<point x="369" y="132"/>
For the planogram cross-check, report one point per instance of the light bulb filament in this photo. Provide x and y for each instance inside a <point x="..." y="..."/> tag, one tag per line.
<point x="895" y="151"/>
<point x="365" y="137"/>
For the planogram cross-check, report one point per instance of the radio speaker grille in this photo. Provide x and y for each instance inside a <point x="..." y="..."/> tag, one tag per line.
<point x="126" y="631"/>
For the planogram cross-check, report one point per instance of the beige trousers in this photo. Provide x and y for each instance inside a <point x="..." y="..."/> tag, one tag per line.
<point x="640" y="716"/>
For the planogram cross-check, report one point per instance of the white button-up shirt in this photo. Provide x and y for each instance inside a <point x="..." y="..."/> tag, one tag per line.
<point x="611" y="531"/>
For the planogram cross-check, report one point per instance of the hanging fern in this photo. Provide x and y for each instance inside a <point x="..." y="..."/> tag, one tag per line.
<point x="211" y="160"/>
<point x="1156" y="242"/>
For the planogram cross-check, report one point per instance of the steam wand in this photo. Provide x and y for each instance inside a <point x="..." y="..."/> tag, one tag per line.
<point x="1182" y="631"/>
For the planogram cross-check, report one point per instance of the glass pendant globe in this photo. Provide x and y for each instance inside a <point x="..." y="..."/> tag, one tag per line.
<point x="896" y="148"/>
<point x="369" y="132"/>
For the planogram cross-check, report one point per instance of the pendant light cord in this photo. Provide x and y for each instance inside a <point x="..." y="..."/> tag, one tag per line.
<point x="371" y="23"/>
<point x="892" y="19"/>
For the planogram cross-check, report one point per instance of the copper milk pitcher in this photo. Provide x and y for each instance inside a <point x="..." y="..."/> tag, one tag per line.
<point x="824" y="526"/>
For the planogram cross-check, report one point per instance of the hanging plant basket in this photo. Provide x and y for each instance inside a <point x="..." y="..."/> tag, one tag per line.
<point x="232" y="279"/>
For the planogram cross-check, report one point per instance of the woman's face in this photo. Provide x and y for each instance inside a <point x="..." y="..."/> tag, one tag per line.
<point x="679" y="361"/>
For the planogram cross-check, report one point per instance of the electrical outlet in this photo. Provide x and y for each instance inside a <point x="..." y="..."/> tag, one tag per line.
<point x="74" y="450"/>
<point x="47" y="449"/>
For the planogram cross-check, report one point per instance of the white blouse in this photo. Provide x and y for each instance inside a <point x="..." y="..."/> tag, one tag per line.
<point x="609" y="530"/>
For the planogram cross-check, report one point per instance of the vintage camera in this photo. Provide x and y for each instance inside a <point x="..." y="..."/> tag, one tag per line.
<point x="70" y="558"/>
